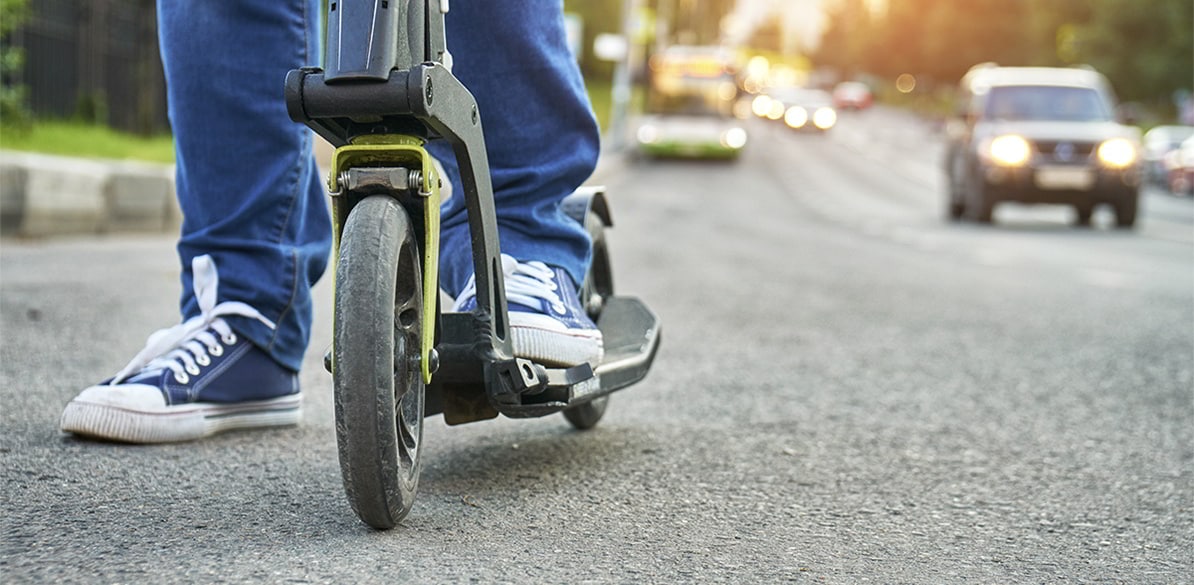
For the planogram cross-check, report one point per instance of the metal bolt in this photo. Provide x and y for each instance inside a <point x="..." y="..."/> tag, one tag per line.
<point x="429" y="91"/>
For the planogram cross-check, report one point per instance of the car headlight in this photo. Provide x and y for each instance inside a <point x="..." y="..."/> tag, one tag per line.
<point x="825" y="118"/>
<point x="796" y="117"/>
<point x="1117" y="153"/>
<point x="761" y="105"/>
<point x="647" y="134"/>
<point x="775" y="110"/>
<point x="1009" y="150"/>
<point x="734" y="138"/>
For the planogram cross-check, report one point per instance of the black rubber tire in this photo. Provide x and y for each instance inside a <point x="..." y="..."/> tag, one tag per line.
<point x="955" y="204"/>
<point x="980" y="206"/>
<point x="1082" y="214"/>
<point x="955" y="209"/>
<point x="598" y="284"/>
<point x="1125" y="211"/>
<point x="377" y="379"/>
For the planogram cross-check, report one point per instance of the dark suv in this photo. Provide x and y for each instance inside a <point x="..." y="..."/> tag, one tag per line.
<point x="1040" y="135"/>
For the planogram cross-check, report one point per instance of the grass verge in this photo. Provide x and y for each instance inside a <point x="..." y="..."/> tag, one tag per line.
<point x="88" y="141"/>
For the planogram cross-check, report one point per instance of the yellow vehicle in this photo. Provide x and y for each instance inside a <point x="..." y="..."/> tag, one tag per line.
<point x="690" y="105"/>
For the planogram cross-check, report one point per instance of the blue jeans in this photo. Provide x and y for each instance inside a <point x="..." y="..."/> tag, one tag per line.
<point x="248" y="186"/>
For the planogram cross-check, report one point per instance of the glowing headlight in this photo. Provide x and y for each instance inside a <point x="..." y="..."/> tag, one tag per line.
<point x="825" y="118"/>
<point x="734" y="138"/>
<point x="760" y="105"/>
<point x="1117" y="153"/>
<point x="1011" y="151"/>
<point x="775" y="110"/>
<point x="796" y="117"/>
<point x="647" y="134"/>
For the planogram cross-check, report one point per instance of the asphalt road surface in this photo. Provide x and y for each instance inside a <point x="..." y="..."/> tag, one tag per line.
<point x="850" y="389"/>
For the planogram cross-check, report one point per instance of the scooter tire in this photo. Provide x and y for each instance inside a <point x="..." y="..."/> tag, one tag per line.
<point x="378" y="386"/>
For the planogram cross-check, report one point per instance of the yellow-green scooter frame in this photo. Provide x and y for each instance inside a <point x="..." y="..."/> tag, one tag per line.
<point x="397" y="150"/>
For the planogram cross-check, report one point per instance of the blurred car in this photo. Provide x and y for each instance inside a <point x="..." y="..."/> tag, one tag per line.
<point x="690" y="106"/>
<point x="690" y="136"/>
<point x="1181" y="169"/>
<point x="852" y="95"/>
<point x="1040" y="135"/>
<point x="803" y="108"/>
<point x="1160" y="150"/>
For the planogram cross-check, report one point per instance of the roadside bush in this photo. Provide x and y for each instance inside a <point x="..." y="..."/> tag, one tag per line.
<point x="14" y="109"/>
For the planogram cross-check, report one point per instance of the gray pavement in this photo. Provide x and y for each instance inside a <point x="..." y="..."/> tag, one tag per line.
<point x="850" y="390"/>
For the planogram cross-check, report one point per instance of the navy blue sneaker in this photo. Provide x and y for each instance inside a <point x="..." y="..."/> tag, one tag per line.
<point x="191" y="381"/>
<point x="548" y="325"/>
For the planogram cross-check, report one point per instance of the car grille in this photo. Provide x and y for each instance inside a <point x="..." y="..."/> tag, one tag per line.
<point x="1064" y="151"/>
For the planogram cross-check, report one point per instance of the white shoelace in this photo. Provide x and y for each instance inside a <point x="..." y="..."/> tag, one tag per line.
<point x="186" y="347"/>
<point x="527" y="283"/>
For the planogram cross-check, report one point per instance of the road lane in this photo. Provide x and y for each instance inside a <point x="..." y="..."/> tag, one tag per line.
<point x="849" y="388"/>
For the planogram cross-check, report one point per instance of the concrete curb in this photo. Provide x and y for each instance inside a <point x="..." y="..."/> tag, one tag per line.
<point x="44" y="195"/>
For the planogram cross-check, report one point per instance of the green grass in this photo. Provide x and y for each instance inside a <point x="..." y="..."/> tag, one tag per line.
<point x="93" y="141"/>
<point x="88" y="141"/>
<point x="600" y="97"/>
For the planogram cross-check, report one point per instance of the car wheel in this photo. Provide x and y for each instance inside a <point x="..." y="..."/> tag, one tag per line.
<point x="980" y="204"/>
<point x="1084" y="212"/>
<point x="1125" y="210"/>
<point x="954" y="204"/>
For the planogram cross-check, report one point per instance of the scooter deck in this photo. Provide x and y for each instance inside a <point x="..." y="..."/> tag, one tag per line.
<point x="630" y="332"/>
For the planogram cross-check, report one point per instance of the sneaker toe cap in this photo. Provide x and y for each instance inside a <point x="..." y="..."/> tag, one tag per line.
<point x="140" y="397"/>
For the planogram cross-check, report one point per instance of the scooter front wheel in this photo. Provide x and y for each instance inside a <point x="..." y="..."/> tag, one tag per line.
<point x="377" y="379"/>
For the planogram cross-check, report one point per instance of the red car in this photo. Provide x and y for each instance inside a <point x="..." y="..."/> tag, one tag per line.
<point x="852" y="95"/>
<point x="1181" y="169"/>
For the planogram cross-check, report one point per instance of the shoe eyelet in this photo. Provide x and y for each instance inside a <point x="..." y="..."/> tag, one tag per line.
<point x="193" y="370"/>
<point x="229" y="339"/>
<point x="216" y="350"/>
<point x="181" y="378"/>
<point x="203" y="360"/>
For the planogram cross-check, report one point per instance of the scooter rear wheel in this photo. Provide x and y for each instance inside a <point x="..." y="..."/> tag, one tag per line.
<point x="598" y="284"/>
<point x="378" y="384"/>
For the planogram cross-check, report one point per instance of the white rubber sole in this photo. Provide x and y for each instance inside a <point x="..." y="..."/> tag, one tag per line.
<point x="544" y="340"/>
<point x="184" y="422"/>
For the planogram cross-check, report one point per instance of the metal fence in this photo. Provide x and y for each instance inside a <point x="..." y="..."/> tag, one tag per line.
<point x="96" y="60"/>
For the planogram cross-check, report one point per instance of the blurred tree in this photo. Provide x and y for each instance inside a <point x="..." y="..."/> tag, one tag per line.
<point x="1052" y="30"/>
<point x="598" y="17"/>
<point x="844" y="43"/>
<point x="698" y="22"/>
<point x="1146" y="47"/>
<point x="959" y="35"/>
<point x="768" y="36"/>
<point x="14" y="110"/>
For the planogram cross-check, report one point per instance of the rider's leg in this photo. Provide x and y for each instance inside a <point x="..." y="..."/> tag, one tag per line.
<point x="541" y="136"/>
<point x="254" y="209"/>
<point x="542" y="142"/>
<point x="248" y="186"/>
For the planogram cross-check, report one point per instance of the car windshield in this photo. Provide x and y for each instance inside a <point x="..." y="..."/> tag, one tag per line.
<point x="1041" y="102"/>
<point x="689" y="104"/>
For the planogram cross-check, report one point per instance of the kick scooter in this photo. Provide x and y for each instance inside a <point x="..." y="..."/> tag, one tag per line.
<point x="397" y="356"/>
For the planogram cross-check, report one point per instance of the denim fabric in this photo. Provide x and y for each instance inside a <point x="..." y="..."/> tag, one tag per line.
<point x="249" y="188"/>
<point x="540" y="133"/>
